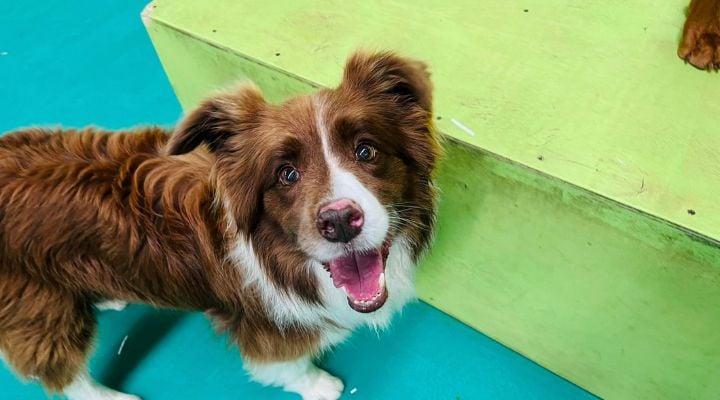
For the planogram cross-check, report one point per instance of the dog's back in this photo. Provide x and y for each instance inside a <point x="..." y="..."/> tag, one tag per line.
<point x="90" y="214"/>
<point x="94" y="210"/>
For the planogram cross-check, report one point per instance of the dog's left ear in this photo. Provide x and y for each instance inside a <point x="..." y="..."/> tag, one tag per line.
<point x="389" y="76"/>
<point x="217" y="119"/>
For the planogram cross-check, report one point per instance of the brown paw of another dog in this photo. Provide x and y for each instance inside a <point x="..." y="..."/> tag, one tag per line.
<point x="700" y="45"/>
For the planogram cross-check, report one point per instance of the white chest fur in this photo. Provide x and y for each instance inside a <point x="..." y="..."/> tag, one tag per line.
<point x="288" y="310"/>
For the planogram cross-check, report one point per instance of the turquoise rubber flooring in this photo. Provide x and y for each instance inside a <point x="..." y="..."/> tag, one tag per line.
<point x="91" y="62"/>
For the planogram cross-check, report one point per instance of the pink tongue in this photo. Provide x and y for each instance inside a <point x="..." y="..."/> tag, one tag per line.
<point x="359" y="274"/>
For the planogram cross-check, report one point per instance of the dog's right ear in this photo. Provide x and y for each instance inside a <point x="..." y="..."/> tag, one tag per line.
<point x="386" y="75"/>
<point x="217" y="119"/>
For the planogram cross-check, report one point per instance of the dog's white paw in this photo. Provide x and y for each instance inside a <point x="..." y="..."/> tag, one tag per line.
<point x="84" y="387"/>
<point x="300" y="376"/>
<point x="98" y="392"/>
<point x="113" y="395"/>
<point x="115" y="305"/>
<point x="321" y="386"/>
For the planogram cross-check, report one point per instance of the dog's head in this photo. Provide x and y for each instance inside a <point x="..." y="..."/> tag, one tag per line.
<point x="338" y="175"/>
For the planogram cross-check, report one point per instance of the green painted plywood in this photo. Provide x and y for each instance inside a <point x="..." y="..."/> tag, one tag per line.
<point x="625" y="306"/>
<point x="617" y="301"/>
<point x="198" y="68"/>
<point x="592" y="88"/>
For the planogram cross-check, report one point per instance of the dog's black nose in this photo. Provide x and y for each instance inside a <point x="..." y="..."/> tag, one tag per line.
<point x="340" y="221"/>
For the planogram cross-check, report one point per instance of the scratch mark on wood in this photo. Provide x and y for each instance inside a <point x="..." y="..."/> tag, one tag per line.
<point x="642" y="186"/>
<point x="463" y="127"/>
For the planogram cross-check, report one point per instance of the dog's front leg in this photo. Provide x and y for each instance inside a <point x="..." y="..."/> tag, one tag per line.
<point x="300" y="376"/>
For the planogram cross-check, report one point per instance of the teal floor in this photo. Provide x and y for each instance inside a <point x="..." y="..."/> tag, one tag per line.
<point x="91" y="63"/>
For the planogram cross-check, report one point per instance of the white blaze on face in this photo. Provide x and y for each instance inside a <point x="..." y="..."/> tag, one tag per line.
<point x="345" y="185"/>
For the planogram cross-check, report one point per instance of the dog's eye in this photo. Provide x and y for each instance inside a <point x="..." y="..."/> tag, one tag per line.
<point x="365" y="152"/>
<point x="288" y="175"/>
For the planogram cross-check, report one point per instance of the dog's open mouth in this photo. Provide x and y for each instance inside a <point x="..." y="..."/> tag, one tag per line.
<point x="362" y="275"/>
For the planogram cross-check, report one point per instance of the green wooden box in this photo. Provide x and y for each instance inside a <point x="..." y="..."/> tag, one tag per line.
<point x="579" y="213"/>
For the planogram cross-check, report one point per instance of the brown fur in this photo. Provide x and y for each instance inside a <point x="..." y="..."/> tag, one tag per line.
<point x="700" y="45"/>
<point x="144" y="216"/>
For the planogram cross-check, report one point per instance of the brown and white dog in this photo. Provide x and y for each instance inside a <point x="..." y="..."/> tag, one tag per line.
<point x="290" y="224"/>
